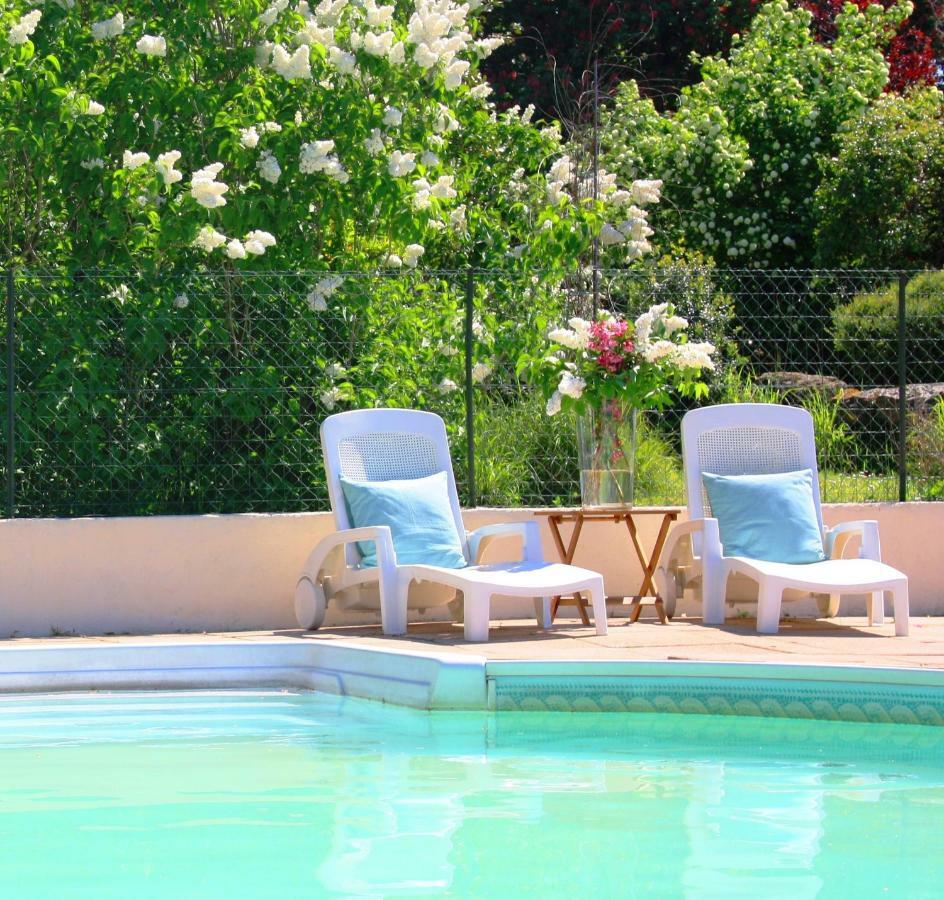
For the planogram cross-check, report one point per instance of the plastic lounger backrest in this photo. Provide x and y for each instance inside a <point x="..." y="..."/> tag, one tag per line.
<point x="383" y="445"/>
<point x="746" y="439"/>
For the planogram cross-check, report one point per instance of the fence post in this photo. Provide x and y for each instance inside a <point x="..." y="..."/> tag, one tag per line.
<point x="11" y="397"/>
<point x="469" y="394"/>
<point x="903" y="279"/>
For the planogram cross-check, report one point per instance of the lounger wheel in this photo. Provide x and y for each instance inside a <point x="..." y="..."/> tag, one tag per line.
<point x="667" y="582"/>
<point x="310" y="604"/>
<point x="828" y="605"/>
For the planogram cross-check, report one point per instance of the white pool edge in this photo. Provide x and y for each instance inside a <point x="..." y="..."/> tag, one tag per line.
<point x="432" y="680"/>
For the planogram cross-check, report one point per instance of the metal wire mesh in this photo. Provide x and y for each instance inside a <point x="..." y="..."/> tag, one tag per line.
<point x="203" y="392"/>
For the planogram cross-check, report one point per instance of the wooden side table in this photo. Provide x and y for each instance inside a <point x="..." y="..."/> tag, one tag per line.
<point x="647" y="590"/>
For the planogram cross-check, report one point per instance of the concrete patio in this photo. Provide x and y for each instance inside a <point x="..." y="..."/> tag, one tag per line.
<point x="841" y="641"/>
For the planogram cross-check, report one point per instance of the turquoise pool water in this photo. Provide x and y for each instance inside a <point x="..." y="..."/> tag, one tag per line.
<point x="268" y="794"/>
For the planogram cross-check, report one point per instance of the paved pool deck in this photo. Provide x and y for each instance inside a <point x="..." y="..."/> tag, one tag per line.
<point x="841" y="641"/>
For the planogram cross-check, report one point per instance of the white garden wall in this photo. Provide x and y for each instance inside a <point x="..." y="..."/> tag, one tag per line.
<point x="238" y="572"/>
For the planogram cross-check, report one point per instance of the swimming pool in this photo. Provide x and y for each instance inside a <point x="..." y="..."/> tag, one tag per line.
<point x="257" y="793"/>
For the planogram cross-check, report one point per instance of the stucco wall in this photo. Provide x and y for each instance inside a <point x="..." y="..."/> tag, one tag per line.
<point x="230" y="573"/>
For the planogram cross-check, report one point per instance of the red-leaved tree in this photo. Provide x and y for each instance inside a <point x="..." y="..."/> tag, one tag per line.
<point x="553" y="45"/>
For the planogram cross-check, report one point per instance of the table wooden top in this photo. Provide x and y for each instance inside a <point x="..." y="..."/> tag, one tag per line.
<point x="614" y="513"/>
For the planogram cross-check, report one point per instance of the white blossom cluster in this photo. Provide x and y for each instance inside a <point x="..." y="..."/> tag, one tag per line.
<point x="653" y="330"/>
<point x="268" y="166"/>
<point x="108" y="28"/>
<point x="165" y="167"/>
<point x="151" y="45"/>
<point x="255" y="243"/>
<point x="318" y="156"/>
<point x="481" y="371"/>
<point x="205" y="189"/>
<point x="319" y="295"/>
<point x="21" y="32"/>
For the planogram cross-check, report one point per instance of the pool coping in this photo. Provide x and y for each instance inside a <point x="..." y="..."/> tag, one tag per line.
<point x="441" y="680"/>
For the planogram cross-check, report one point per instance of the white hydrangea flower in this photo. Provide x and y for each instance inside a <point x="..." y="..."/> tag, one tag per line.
<point x="20" y="32"/>
<point x="151" y="45"/>
<point x="400" y="164"/>
<point x="378" y="15"/>
<point x="481" y="91"/>
<point x="455" y="72"/>
<point x="249" y="137"/>
<point x="425" y="57"/>
<point x="344" y="62"/>
<point x="257" y="241"/>
<point x="335" y="370"/>
<point x="421" y="199"/>
<point x="108" y="28"/>
<point x="457" y="218"/>
<point x="272" y="127"/>
<point x="325" y="288"/>
<point x="393" y="261"/>
<point x="316" y="156"/>
<point x="374" y="144"/>
<point x="481" y="371"/>
<point x="646" y="191"/>
<point x="165" y="167"/>
<point x="292" y="65"/>
<point x="95" y="163"/>
<point x="272" y="13"/>
<point x="447" y="386"/>
<point x="181" y="301"/>
<point x="572" y="385"/>
<point x="695" y="355"/>
<point x="330" y="398"/>
<point x="659" y="350"/>
<point x="120" y="293"/>
<point x="674" y="323"/>
<point x="378" y="44"/>
<point x="442" y="188"/>
<point x="269" y="167"/>
<point x="392" y="117"/>
<point x="264" y="54"/>
<point x="610" y="235"/>
<point x="208" y="239"/>
<point x="205" y="189"/>
<point x="313" y="33"/>
<point x="134" y="161"/>
<point x="397" y="54"/>
<point x="94" y="108"/>
<point x="567" y="338"/>
<point x="412" y="254"/>
<point x="554" y="403"/>
<point x="235" y="249"/>
<point x="429" y="159"/>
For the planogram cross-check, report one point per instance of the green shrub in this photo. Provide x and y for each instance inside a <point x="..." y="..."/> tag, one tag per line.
<point x="865" y="333"/>
<point x="926" y="454"/>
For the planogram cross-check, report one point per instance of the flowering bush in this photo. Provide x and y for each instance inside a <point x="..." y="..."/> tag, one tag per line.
<point x="640" y="363"/>
<point x="744" y="154"/>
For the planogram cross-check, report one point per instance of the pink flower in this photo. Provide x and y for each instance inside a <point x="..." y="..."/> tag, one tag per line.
<point x="612" y="347"/>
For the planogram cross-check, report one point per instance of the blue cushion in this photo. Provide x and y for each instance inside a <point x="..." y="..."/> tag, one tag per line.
<point x="771" y="517"/>
<point x="419" y="513"/>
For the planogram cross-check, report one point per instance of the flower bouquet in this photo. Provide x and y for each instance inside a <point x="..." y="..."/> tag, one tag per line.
<point x="606" y="371"/>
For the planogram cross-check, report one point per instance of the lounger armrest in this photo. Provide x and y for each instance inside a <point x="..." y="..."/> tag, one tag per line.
<point x="379" y="534"/>
<point x="529" y="531"/>
<point x="839" y="535"/>
<point x="706" y="528"/>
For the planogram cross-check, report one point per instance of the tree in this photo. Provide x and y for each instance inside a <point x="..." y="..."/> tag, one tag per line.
<point x="551" y="46"/>
<point x="880" y="201"/>
<point x="741" y="158"/>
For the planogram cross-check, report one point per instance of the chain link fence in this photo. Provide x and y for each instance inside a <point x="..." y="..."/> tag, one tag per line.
<point x="133" y="394"/>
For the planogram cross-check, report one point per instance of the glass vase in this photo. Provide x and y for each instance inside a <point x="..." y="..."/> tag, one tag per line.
<point x="606" y="449"/>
